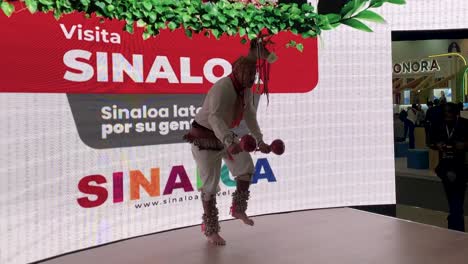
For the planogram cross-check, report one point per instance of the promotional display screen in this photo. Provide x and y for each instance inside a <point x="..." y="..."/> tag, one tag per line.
<point x="91" y="147"/>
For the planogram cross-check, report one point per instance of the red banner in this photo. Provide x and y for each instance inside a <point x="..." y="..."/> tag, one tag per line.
<point x="82" y="55"/>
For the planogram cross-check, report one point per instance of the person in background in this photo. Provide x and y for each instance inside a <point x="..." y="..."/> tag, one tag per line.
<point x="403" y="118"/>
<point x="443" y="99"/>
<point x="460" y="106"/>
<point x="430" y="105"/>
<point x="427" y="124"/>
<point x="411" y="120"/>
<point x="420" y="116"/>
<point x="434" y="114"/>
<point x="398" y="129"/>
<point x="450" y="138"/>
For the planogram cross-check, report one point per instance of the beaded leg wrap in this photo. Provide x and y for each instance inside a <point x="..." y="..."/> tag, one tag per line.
<point x="240" y="197"/>
<point x="210" y="223"/>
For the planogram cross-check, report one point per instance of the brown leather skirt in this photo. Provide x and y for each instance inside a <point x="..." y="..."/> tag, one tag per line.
<point x="203" y="138"/>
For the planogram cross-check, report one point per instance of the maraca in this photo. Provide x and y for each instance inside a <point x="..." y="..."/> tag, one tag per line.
<point x="248" y="143"/>
<point x="277" y="146"/>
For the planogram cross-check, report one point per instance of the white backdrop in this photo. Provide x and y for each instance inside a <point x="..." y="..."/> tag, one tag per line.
<point x="339" y="150"/>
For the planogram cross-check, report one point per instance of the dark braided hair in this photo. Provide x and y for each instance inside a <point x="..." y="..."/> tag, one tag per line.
<point x="243" y="66"/>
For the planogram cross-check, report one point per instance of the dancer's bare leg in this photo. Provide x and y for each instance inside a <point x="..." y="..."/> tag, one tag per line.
<point x="239" y="200"/>
<point x="210" y="226"/>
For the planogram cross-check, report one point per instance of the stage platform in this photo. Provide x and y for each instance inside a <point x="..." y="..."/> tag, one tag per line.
<point x="334" y="236"/>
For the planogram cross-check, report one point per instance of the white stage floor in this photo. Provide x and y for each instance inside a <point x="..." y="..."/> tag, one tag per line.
<point x="334" y="236"/>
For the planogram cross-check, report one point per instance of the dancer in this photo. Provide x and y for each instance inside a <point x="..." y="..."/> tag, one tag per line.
<point x="227" y="103"/>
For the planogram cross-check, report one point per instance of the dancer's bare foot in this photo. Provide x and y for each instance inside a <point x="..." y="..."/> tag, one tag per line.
<point x="243" y="217"/>
<point x="216" y="239"/>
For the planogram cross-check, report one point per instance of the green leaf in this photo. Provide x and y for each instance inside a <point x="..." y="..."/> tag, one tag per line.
<point x="242" y="32"/>
<point x="141" y="23"/>
<point x="146" y="35"/>
<point x="333" y="18"/>
<point x="238" y="5"/>
<point x="99" y="4"/>
<point x="147" y="5"/>
<point x="231" y="13"/>
<point x="46" y="2"/>
<point x="354" y="23"/>
<point x="84" y="2"/>
<point x="251" y="35"/>
<point x="370" y="16"/>
<point x="300" y="47"/>
<point x="295" y="17"/>
<point x="31" y="5"/>
<point x="7" y="8"/>
<point x="172" y="26"/>
<point x="376" y="3"/>
<point x="110" y="8"/>
<point x="129" y="28"/>
<point x="231" y="31"/>
<point x="324" y="22"/>
<point x="396" y="2"/>
<point x="291" y="43"/>
<point x="348" y="7"/>
<point x="223" y="19"/>
<point x="152" y="17"/>
<point x="188" y="32"/>
<point x="160" y="25"/>
<point x="186" y="18"/>
<point x="243" y="40"/>
<point x="57" y="14"/>
<point x="309" y="34"/>
<point x="159" y="9"/>
<point x="294" y="10"/>
<point x="223" y="27"/>
<point x="352" y="7"/>
<point x="216" y="33"/>
<point x="284" y="7"/>
<point x="307" y="8"/>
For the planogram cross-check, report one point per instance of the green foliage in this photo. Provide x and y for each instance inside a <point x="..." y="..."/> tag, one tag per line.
<point x="7" y="8"/>
<point x="217" y="19"/>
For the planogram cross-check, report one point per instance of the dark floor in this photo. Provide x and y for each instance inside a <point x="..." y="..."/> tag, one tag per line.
<point x="420" y="196"/>
<point x="423" y="216"/>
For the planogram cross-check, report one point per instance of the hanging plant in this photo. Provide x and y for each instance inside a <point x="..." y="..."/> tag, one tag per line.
<point x="216" y="18"/>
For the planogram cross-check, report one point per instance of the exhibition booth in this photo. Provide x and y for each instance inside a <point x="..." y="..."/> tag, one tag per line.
<point x="95" y="169"/>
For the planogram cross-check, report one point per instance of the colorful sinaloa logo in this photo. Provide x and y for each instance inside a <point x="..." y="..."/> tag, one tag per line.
<point x="93" y="186"/>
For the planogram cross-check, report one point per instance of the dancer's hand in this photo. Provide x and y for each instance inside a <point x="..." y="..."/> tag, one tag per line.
<point x="234" y="149"/>
<point x="264" y="148"/>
